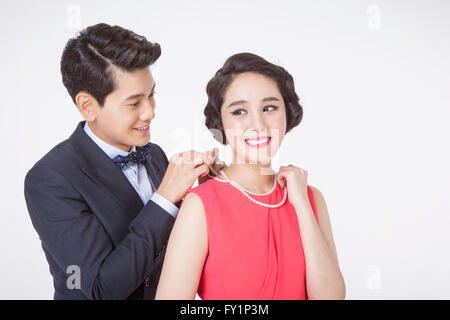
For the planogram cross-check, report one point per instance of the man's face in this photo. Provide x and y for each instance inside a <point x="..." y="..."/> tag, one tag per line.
<point x="124" y="120"/>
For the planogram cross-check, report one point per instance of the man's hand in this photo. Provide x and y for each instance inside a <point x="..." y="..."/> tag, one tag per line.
<point x="183" y="169"/>
<point x="214" y="162"/>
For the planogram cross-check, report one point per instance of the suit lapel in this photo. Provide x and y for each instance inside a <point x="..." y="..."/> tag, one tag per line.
<point x="114" y="181"/>
<point x="151" y="171"/>
<point x="101" y="169"/>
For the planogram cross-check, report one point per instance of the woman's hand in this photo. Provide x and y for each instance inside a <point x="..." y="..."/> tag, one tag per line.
<point x="296" y="181"/>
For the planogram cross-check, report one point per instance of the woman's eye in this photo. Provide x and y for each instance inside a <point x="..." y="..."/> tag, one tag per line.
<point x="238" y="112"/>
<point x="274" y="108"/>
<point x="134" y="104"/>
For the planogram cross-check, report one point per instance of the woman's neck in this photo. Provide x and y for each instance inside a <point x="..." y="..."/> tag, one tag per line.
<point x="256" y="178"/>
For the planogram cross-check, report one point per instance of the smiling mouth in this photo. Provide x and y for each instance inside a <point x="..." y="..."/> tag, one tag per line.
<point x="143" y="129"/>
<point x="258" y="142"/>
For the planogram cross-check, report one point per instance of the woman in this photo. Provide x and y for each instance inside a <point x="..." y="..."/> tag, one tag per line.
<point x="250" y="233"/>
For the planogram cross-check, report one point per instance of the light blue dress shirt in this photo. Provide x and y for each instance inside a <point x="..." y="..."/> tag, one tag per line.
<point x="136" y="174"/>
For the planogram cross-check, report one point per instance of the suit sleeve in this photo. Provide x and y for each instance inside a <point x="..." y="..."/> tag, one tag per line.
<point x="73" y="235"/>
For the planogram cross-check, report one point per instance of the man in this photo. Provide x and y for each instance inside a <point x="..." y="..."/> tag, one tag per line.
<point x="104" y="201"/>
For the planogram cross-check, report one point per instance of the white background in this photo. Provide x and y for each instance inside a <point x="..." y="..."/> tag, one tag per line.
<point x="373" y="78"/>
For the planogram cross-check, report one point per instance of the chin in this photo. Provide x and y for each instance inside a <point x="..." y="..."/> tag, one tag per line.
<point x="141" y="144"/>
<point x="141" y="141"/>
<point x="263" y="161"/>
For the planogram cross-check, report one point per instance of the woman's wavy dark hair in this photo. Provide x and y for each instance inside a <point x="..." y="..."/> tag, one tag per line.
<point x="88" y="59"/>
<point x="248" y="62"/>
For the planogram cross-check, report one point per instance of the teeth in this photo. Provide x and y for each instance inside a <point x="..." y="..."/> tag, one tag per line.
<point x="143" y="128"/>
<point x="256" y="142"/>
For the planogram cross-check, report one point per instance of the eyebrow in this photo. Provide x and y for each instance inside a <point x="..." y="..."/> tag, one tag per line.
<point x="137" y="95"/>
<point x="238" y="102"/>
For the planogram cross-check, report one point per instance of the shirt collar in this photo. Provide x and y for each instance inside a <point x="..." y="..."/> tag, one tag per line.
<point x="110" y="150"/>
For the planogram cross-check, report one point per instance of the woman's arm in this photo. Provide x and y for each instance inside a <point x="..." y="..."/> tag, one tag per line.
<point x="323" y="276"/>
<point x="186" y="252"/>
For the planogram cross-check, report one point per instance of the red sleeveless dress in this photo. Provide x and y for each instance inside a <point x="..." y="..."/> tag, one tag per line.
<point x="254" y="252"/>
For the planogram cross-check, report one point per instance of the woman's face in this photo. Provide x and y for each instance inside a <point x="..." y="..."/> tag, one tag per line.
<point x="253" y="118"/>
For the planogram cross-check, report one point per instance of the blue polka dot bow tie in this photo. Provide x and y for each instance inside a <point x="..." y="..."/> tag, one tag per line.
<point x="138" y="156"/>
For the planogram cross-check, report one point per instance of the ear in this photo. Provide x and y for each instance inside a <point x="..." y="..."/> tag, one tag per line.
<point x="87" y="105"/>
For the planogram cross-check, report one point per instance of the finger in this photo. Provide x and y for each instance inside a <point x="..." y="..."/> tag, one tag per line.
<point x="214" y="155"/>
<point x="203" y="174"/>
<point x="213" y="158"/>
<point x="176" y="158"/>
<point x="215" y="151"/>
<point x="193" y="158"/>
<point x="208" y="158"/>
<point x="218" y="160"/>
<point x="186" y="156"/>
<point x="281" y="182"/>
<point x="201" y="170"/>
<point x="281" y="179"/>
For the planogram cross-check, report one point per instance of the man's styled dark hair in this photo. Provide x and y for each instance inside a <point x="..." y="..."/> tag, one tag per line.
<point x="248" y="62"/>
<point x="88" y="59"/>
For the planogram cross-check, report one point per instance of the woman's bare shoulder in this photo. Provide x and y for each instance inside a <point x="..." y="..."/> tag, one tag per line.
<point x="196" y="194"/>
<point x="192" y="207"/>
<point x="318" y="196"/>
<point x="192" y="200"/>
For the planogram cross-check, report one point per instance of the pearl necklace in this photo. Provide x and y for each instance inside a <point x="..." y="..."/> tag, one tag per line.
<point x="247" y="192"/>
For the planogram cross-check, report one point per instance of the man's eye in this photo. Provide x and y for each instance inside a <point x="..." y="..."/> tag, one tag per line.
<point x="237" y="112"/>
<point x="274" y="108"/>
<point x="152" y="94"/>
<point x="134" y="104"/>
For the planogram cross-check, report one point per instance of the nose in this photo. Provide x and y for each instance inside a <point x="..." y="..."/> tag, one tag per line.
<point x="257" y="122"/>
<point x="148" y="110"/>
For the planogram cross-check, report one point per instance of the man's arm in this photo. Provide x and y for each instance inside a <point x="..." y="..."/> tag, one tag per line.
<point x="73" y="235"/>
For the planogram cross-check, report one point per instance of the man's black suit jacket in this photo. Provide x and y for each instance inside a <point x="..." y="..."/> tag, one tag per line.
<point x="88" y="216"/>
